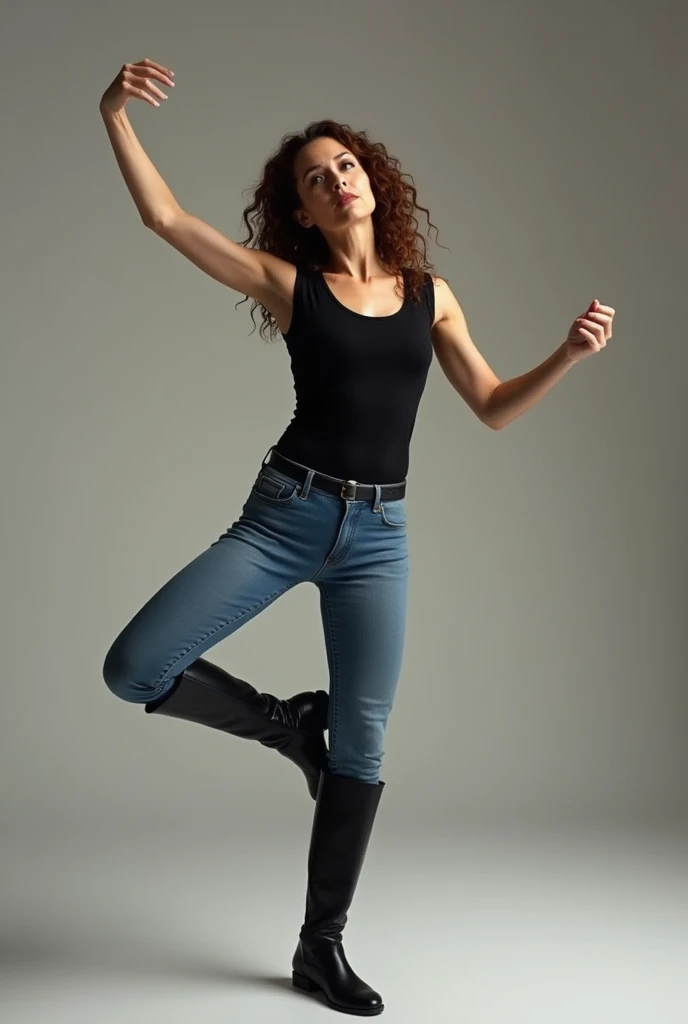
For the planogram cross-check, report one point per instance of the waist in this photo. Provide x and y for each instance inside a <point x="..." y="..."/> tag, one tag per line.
<point x="352" y="490"/>
<point x="374" y="455"/>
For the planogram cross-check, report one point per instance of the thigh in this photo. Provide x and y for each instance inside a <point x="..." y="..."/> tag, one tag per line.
<point x="364" y="622"/>
<point x="225" y="586"/>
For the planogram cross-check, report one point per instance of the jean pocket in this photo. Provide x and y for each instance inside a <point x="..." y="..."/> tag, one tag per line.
<point x="393" y="513"/>
<point x="275" y="487"/>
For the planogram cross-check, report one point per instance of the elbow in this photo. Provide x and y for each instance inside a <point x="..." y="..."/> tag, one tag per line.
<point x="154" y="224"/>
<point x="488" y="413"/>
<point x="490" y="420"/>
<point x="159" y="221"/>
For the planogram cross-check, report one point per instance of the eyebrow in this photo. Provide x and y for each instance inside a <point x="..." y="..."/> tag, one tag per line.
<point x="316" y="167"/>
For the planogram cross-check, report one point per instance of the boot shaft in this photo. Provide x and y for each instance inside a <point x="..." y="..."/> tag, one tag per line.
<point x="342" y="825"/>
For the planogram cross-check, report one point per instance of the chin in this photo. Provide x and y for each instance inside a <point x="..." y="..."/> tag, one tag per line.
<point x="356" y="211"/>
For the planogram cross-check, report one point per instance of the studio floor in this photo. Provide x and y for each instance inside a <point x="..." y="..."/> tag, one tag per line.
<point x="182" y="921"/>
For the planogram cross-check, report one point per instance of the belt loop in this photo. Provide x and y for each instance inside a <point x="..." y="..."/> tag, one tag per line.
<point x="306" y="489"/>
<point x="378" y="492"/>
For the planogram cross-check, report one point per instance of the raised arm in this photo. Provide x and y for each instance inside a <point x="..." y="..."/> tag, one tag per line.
<point x="260" y="275"/>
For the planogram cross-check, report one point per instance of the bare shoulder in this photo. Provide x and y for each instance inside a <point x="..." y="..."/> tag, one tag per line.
<point x="444" y="299"/>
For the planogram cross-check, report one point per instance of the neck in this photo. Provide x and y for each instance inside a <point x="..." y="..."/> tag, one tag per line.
<point x="354" y="255"/>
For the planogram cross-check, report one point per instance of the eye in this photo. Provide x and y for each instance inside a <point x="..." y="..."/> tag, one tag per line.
<point x="344" y="163"/>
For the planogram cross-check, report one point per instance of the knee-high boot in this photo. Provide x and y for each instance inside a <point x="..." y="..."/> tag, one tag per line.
<point x="207" y="694"/>
<point x="343" y="821"/>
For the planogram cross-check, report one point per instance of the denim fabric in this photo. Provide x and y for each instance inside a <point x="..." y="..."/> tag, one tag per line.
<point x="355" y="552"/>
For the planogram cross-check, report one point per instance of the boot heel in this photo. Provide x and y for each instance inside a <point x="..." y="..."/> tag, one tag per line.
<point x="299" y="981"/>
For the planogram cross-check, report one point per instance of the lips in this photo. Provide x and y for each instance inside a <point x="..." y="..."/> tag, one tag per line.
<point x="346" y="198"/>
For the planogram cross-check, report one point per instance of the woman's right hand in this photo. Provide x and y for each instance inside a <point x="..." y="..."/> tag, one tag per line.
<point x="136" y="80"/>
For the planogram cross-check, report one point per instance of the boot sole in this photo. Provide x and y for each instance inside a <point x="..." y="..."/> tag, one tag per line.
<point x="305" y="984"/>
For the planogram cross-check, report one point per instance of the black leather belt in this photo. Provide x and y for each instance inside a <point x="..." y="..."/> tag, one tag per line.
<point x="349" y="489"/>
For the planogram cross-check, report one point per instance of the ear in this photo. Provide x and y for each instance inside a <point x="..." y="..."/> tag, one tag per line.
<point x="302" y="218"/>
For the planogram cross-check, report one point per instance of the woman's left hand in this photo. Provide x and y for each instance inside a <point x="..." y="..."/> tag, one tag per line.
<point x="590" y="332"/>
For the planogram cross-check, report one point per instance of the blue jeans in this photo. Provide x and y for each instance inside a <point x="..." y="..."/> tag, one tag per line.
<point x="356" y="554"/>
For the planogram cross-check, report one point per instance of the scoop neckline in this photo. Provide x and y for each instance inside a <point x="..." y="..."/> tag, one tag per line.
<point x="354" y="312"/>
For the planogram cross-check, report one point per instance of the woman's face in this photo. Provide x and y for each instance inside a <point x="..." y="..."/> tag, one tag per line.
<point x="324" y="170"/>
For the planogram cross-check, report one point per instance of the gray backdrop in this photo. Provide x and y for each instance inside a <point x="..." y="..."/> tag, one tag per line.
<point x="545" y="664"/>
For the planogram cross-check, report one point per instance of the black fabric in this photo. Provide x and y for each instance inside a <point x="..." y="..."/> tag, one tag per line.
<point x="207" y="694"/>
<point x="343" y="822"/>
<point x="358" y="381"/>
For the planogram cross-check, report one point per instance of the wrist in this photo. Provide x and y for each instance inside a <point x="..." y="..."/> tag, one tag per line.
<point x="108" y="114"/>
<point x="563" y="355"/>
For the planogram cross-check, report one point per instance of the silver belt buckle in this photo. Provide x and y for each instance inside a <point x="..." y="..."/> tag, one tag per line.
<point x="348" y="484"/>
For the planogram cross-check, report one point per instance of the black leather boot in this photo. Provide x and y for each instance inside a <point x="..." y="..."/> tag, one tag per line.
<point x="206" y="694"/>
<point x="343" y="821"/>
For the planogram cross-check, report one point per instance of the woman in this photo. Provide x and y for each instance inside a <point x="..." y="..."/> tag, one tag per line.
<point x="341" y="272"/>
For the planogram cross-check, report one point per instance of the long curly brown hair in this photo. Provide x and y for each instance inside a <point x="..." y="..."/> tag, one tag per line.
<point x="272" y="227"/>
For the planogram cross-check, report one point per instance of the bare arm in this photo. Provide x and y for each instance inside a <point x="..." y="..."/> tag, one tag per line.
<point x="250" y="271"/>
<point x="153" y="198"/>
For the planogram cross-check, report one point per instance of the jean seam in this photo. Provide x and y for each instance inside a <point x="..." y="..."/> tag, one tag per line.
<point x="247" y="611"/>
<point x="276" y="501"/>
<point x="334" y="687"/>
<point x="388" y="522"/>
<point x="355" y="516"/>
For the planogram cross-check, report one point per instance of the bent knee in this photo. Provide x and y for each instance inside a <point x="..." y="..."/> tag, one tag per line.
<point x="127" y="676"/>
<point x="116" y="673"/>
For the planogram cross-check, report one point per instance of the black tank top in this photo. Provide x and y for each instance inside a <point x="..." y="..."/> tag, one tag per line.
<point x="358" y="382"/>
